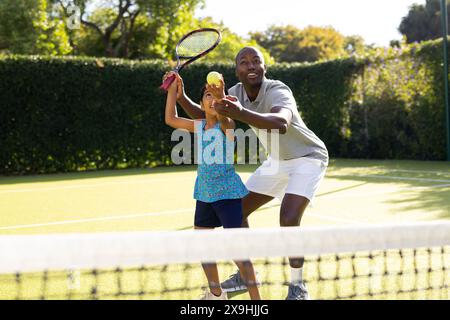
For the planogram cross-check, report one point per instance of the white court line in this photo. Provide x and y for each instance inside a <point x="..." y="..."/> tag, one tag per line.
<point x="87" y="186"/>
<point x="109" y="218"/>
<point x="150" y="214"/>
<point x="316" y="215"/>
<point x="419" y="171"/>
<point x="143" y="215"/>
<point x="388" y="177"/>
<point x="84" y="186"/>
<point x="374" y="193"/>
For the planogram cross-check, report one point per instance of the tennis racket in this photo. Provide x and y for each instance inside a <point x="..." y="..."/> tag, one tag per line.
<point x="191" y="47"/>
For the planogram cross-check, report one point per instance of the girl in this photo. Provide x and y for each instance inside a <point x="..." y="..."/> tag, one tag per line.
<point x="218" y="189"/>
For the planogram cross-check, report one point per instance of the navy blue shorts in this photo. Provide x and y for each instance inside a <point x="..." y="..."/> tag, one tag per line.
<point x="226" y="213"/>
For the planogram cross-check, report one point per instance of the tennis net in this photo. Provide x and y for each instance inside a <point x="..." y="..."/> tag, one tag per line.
<point x="401" y="261"/>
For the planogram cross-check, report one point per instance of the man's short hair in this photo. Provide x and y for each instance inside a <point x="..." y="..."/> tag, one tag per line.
<point x="245" y="48"/>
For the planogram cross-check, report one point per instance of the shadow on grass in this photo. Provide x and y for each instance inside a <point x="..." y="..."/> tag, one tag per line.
<point x="95" y="174"/>
<point x="342" y="189"/>
<point x="426" y="196"/>
<point x="426" y="199"/>
<point x="7" y="180"/>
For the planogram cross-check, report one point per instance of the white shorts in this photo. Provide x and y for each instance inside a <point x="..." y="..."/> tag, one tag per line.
<point x="275" y="178"/>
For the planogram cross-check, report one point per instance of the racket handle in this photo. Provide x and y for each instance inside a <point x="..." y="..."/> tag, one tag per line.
<point x="166" y="84"/>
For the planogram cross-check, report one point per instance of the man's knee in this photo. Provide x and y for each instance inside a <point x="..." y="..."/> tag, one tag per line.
<point x="292" y="209"/>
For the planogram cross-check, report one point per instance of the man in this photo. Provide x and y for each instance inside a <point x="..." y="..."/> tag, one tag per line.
<point x="301" y="159"/>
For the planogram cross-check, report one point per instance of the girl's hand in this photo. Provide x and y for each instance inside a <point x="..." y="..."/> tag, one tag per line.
<point x="217" y="91"/>
<point x="178" y="81"/>
<point x="174" y="85"/>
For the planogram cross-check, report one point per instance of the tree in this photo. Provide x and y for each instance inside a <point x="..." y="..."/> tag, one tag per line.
<point x="423" y="22"/>
<point x="28" y="27"/>
<point x="230" y="45"/>
<point x="290" y="44"/>
<point x="354" y="45"/>
<point x="116" y="29"/>
<point x="134" y="29"/>
<point x="281" y="42"/>
<point x="321" y="43"/>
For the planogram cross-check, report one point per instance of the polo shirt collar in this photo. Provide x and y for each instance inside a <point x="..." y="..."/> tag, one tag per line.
<point x="261" y="93"/>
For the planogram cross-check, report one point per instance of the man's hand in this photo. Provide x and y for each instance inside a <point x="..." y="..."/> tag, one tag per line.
<point x="229" y="107"/>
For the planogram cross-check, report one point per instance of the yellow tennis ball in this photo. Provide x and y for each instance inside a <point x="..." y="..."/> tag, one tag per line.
<point x="213" y="78"/>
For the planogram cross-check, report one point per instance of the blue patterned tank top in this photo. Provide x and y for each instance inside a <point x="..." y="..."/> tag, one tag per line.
<point x="216" y="177"/>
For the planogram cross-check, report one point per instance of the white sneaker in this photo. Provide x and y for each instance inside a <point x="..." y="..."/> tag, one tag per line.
<point x="208" y="295"/>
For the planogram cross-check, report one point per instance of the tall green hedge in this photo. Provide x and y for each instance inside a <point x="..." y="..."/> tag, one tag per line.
<point x="398" y="110"/>
<point x="68" y="114"/>
<point x="323" y="93"/>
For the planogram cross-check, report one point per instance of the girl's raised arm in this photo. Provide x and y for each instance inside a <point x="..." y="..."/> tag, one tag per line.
<point x="171" y="115"/>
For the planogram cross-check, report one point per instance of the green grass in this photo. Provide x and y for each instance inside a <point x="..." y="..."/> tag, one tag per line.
<point x="354" y="191"/>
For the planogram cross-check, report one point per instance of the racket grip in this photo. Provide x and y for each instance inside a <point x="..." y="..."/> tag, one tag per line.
<point x="166" y="84"/>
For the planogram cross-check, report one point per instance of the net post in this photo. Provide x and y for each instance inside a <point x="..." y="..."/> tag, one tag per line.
<point x="445" y="45"/>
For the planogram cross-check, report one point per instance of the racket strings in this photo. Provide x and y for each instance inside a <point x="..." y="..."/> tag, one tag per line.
<point x="197" y="43"/>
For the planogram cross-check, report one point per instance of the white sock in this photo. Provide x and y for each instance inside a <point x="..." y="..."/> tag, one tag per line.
<point x="296" y="275"/>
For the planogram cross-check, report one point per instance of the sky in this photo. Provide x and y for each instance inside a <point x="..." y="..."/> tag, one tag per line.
<point x="376" y="21"/>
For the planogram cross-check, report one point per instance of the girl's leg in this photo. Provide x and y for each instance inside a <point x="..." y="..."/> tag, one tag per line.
<point x="211" y="272"/>
<point x="248" y="274"/>
<point x="230" y="214"/>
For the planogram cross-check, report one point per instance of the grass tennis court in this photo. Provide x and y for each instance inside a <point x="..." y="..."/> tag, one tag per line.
<point x="353" y="192"/>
